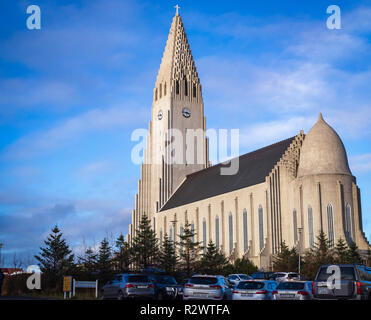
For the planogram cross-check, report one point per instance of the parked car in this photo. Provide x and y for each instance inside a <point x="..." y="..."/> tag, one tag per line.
<point x="207" y="287"/>
<point x="285" y="276"/>
<point x="236" y="278"/>
<point x="166" y="287"/>
<point x="354" y="283"/>
<point x="262" y="275"/>
<point x="254" y="290"/>
<point x="124" y="286"/>
<point x="293" y="290"/>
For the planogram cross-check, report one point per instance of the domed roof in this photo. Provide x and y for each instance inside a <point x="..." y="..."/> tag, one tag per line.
<point x="323" y="152"/>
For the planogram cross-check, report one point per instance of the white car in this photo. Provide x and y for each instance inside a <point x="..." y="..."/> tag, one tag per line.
<point x="254" y="290"/>
<point x="285" y="276"/>
<point x="237" y="277"/>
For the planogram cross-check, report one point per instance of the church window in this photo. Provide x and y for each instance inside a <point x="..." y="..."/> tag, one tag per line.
<point x="160" y="90"/>
<point x="165" y="89"/>
<point x="217" y="232"/>
<point x="295" y="225"/>
<point x="193" y="231"/>
<point x="310" y="226"/>
<point x="194" y="91"/>
<point x="204" y="234"/>
<point x="230" y="233"/>
<point x="177" y="86"/>
<point x="171" y="234"/>
<point x="185" y="86"/>
<point x="348" y="224"/>
<point x="261" y="228"/>
<point x="330" y="224"/>
<point x="181" y="241"/>
<point x="156" y="94"/>
<point x="245" y="239"/>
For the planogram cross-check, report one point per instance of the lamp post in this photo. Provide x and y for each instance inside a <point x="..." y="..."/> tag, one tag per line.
<point x="300" y="232"/>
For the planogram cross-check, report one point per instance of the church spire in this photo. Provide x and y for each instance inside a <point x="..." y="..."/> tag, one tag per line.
<point x="177" y="63"/>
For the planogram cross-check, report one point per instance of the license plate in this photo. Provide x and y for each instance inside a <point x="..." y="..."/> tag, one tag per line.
<point x="287" y="295"/>
<point x="142" y="287"/>
<point x="322" y="290"/>
<point x="247" y="294"/>
<point x="199" y="294"/>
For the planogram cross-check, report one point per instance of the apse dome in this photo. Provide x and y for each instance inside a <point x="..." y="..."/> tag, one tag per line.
<point x="323" y="152"/>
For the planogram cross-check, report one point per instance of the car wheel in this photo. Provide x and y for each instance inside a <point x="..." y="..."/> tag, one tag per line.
<point x="120" y="296"/>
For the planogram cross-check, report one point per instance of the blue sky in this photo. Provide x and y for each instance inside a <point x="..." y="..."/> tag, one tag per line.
<point x="72" y="93"/>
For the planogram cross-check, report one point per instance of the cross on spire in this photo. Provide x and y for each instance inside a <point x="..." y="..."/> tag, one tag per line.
<point x="177" y="10"/>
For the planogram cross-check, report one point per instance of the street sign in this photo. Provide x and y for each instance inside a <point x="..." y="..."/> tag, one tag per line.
<point x="67" y="284"/>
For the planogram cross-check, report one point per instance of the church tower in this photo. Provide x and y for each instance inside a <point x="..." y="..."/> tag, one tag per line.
<point x="177" y="123"/>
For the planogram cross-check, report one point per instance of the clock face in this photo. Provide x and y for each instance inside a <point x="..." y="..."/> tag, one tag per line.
<point x="160" y="115"/>
<point x="186" y="112"/>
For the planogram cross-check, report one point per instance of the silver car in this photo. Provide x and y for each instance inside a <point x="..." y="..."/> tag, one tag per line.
<point x="254" y="290"/>
<point x="285" y="276"/>
<point x="124" y="286"/>
<point x="293" y="290"/>
<point x="207" y="287"/>
<point x="237" y="277"/>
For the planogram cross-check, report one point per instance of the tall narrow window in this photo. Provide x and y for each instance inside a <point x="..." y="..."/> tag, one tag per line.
<point x="156" y="94"/>
<point x="193" y="231"/>
<point x="171" y="234"/>
<point x="185" y="86"/>
<point x="194" y="91"/>
<point x="165" y="89"/>
<point x="181" y="241"/>
<point x="310" y="226"/>
<point x="295" y="225"/>
<point x="230" y="232"/>
<point x="160" y="90"/>
<point x="245" y="239"/>
<point x="330" y="225"/>
<point x="348" y="223"/>
<point x="261" y="228"/>
<point x="217" y="232"/>
<point x="177" y="86"/>
<point x="204" y="234"/>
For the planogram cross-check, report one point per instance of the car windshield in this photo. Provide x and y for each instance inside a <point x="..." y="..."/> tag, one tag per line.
<point x="346" y="273"/>
<point x="165" y="280"/>
<point x="291" y="286"/>
<point x="243" y="276"/>
<point x="250" y="285"/>
<point x="280" y="275"/>
<point x="293" y="275"/>
<point x="138" y="279"/>
<point x="203" y="280"/>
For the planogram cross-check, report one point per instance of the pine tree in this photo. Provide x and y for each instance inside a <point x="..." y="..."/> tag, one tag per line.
<point x="104" y="258"/>
<point x="213" y="261"/>
<point x="168" y="258"/>
<point x="286" y="259"/>
<point x="89" y="261"/>
<point x="55" y="259"/>
<point x="122" y="254"/>
<point x="145" y="247"/>
<point x="244" y="265"/>
<point x="190" y="253"/>
<point x="341" y="251"/>
<point x="353" y="254"/>
<point x="321" y="253"/>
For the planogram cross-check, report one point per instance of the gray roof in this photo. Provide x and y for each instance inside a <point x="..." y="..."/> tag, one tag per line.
<point x="254" y="167"/>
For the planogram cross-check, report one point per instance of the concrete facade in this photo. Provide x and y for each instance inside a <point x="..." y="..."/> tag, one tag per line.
<point x="310" y="188"/>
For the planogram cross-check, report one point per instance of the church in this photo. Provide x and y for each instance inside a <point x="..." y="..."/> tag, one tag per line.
<point x="289" y="191"/>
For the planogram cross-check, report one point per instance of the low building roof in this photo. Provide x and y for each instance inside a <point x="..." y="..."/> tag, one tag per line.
<point x="254" y="167"/>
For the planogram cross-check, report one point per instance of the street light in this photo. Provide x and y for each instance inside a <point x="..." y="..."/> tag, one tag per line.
<point x="300" y="232"/>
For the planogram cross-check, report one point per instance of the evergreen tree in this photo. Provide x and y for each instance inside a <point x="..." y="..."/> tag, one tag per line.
<point x="353" y="254"/>
<point x="213" y="261"/>
<point x="321" y="253"/>
<point x="190" y="253"/>
<point x="245" y="266"/>
<point x="341" y="251"/>
<point x="145" y="247"/>
<point x="122" y="254"/>
<point x="55" y="259"/>
<point x="104" y="258"/>
<point x="286" y="259"/>
<point x="89" y="261"/>
<point x="168" y="259"/>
